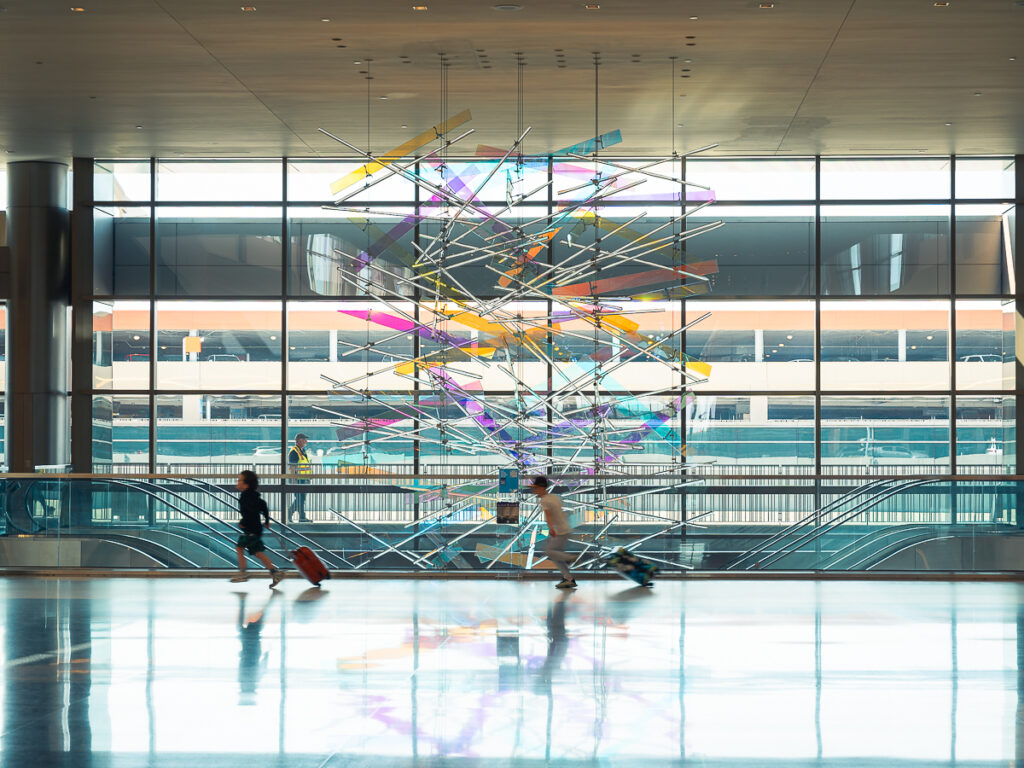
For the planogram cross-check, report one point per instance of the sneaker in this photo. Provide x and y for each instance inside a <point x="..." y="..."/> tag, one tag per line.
<point x="566" y="584"/>
<point x="239" y="577"/>
<point x="275" y="577"/>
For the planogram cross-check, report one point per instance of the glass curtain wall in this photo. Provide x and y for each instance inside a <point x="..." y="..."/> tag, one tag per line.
<point x="861" y="315"/>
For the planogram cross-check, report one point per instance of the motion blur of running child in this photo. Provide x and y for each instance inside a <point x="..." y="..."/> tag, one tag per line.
<point x="558" y="531"/>
<point x="253" y="507"/>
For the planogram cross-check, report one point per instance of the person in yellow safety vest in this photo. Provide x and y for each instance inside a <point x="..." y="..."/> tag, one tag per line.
<point x="299" y="464"/>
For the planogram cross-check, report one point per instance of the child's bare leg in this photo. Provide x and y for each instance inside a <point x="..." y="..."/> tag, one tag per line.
<point x="262" y="557"/>
<point x="241" y="558"/>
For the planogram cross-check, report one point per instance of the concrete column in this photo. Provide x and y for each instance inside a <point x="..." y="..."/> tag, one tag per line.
<point x="37" y="340"/>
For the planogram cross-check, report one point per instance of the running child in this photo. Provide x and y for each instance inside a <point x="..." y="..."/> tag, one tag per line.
<point x="252" y="507"/>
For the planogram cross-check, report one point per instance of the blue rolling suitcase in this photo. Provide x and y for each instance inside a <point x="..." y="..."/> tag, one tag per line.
<point x="632" y="567"/>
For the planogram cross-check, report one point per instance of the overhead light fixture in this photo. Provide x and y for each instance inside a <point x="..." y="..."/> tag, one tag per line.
<point x="76" y="9"/>
<point x="592" y="7"/>
<point x="138" y="127"/>
<point x="948" y="124"/>
<point x="789" y="335"/>
<point x="404" y="125"/>
<point x="136" y="337"/>
<point x="507" y="7"/>
<point x="273" y="338"/>
<point x="248" y="8"/>
<point x="324" y="19"/>
<point x="942" y="5"/>
<point x="419" y="7"/>
<point x="1013" y="58"/>
<point x="383" y="98"/>
<point x="357" y="62"/>
<point x="767" y="5"/>
<point x="694" y="18"/>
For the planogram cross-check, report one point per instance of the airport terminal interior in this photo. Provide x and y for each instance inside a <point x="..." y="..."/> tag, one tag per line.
<point x="520" y="384"/>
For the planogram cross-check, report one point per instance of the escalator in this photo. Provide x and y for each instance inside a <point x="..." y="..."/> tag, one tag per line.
<point x="837" y="536"/>
<point x="189" y="535"/>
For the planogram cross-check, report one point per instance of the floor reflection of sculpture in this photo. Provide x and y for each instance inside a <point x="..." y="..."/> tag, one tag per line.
<point x="491" y="312"/>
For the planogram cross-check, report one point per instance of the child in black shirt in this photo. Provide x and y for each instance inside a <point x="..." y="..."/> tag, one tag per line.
<point x="252" y="507"/>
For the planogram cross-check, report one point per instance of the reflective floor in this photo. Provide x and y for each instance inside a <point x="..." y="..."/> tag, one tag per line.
<point x="195" y="672"/>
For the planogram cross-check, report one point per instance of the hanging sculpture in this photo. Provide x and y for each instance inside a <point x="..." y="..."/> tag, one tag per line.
<point x="482" y="297"/>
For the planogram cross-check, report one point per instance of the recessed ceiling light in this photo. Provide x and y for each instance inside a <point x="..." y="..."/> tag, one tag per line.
<point x="248" y="8"/>
<point x="1013" y="58"/>
<point x="789" y="335"/>
<point x="694" y="18"/>
<point x="592" y="7"/>
<point x="404" y="125"/>
<point x="273" y="338"/>
<point x="942" y="5"/>
<point x="357" y="62"/>
<point x="948" y="124"/>
<point x="507" y="7"/>
<point x="383" y="98"/>
<point x="138" y="127"/>
<point x="929" y="338"/>
<point x="679" y="125"/>
<point x="324" y="19"/>
<point x="136" y="337"/>
<point x="76" y="9"/>
<point x="419" y="7"/>
<point x="767" y="5"/>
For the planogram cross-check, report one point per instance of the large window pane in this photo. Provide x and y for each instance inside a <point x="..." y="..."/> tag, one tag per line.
<point x="754" y="179"/>
<point x="322" y="181"/>
<point x="361" y="343"/>
<point x="218" y="251"/>
<point x="760" y="251"/>
<point x="230" y="432"/>
<point x="579" y="181"/>
<point x="120" y="433"/>
<point x="219" y="180"/>
<point x="121" y="348"/>
<point x="469" y="270"/>
<point x="219" y="346"/>
<point x="884" y="345"/>
<point x="121" y="251"/>
<point x="121" y="181"/>
<point x="986" y="433"/>
<point x="983" y="178"/>
<point x="875" y="250"/>
<point x="889" y="179"/>
<point x="510" y="182"/>
<point x="349" y="430"/>
<point x="487" y="352"/>
<point x="985" y="243"/>
<point x="753" y="345"/>
<point x="764" y="431"/>
<point x="985" y="339"/>
<point x="337" y="253"/>
<point x="893" y="433"/>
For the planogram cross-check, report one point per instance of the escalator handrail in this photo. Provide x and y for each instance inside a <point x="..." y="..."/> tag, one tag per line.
<point x="841" y="519"/>
<point x="222" y="496"/>
<point x="138" y="486"/>
<point x="803" y="522"/>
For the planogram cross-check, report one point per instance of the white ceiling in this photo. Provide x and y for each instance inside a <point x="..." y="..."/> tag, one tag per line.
<point x="804" y="77"/>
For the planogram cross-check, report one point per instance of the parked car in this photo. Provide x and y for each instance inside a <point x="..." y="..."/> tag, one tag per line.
<point x="981" y="359"/>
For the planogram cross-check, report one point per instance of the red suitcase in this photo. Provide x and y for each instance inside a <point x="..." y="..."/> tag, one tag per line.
<point x="310" y="565"/>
